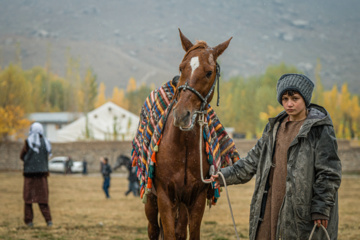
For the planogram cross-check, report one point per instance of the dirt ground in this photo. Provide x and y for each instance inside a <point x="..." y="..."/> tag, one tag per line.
<point x="81" y="211"/>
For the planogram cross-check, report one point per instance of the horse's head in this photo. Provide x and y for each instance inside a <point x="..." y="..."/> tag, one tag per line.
<point x="122" y="160"/>
<point x="197" y="80"/>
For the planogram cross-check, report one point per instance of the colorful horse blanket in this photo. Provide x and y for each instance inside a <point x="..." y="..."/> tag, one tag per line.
<point x="220" y="148"/>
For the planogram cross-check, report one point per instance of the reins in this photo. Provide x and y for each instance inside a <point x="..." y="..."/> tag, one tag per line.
<point x="201" y="122"/>
<point x="313" y="230"/>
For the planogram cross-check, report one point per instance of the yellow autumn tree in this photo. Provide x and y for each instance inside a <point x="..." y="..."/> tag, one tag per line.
<point x="14" y="89"/>
<point x="355" y="116"/>
<point x="12" y="122"/>
<point x="264" y="117"/>
<point x="87" y="93"/>
<point x="345" y="111"/>
<point x="131" y="85"/>
<point x="118" y="97"/>
<point x="101" y="98"/>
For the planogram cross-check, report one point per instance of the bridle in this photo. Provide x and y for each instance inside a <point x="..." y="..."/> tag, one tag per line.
<point x="204" y="100"/>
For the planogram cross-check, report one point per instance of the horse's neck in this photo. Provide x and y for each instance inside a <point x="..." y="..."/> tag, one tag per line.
<point x="184" y="148"/>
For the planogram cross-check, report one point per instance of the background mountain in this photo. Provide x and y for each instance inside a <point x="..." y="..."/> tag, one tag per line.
<point x="123" y="39"/>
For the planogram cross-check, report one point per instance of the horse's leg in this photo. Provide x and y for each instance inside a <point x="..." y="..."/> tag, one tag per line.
<point x="151" y="211"/>
<point x="181" y="223"/>
<point x="196" y="212"/>
<point x="167" y="210"/>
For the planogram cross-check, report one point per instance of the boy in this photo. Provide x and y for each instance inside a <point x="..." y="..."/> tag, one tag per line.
<point x="106" y="171"/>
<point x="298" y="171"/>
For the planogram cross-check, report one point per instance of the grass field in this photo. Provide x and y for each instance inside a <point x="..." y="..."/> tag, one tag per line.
<point x="80" y="210"/>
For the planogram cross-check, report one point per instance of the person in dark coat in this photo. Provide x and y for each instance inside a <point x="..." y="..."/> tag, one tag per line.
<point x="133" y="181"/>
<point x="84" y="171"/>
<point x="106" y="171"/>
<point x="68" y="165"/>
<point x="35" y="155"/>
<point x="297" y="168"/>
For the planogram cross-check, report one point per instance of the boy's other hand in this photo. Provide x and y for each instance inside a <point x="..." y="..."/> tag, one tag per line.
<point x="215" y="178"/>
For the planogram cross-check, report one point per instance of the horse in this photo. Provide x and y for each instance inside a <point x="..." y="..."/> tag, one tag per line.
<point x="122" y="160"/>
<point x="181" y="194"/>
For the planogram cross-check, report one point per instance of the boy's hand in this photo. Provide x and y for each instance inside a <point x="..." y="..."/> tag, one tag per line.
<point x="215" y="178"/>
<point x="324" y="222"/>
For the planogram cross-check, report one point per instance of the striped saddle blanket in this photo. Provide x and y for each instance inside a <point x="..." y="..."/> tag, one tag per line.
<point x="220" y="148"/>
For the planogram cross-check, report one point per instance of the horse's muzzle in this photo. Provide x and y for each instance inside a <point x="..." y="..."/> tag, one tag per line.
<point x="182" y="119"/>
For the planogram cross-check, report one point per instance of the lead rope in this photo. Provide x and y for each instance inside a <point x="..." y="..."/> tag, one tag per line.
<point x="201" y="122"/>
<point x="313" y="230"/>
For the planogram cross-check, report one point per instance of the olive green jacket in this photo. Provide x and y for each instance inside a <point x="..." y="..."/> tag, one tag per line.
<point x="313" y="176"/>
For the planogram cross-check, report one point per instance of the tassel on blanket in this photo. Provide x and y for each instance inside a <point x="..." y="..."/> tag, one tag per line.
<point x="144" y="199"/>
<point x="149" y="183"/>
<point x="142" y="192"/>
<point x="216" y="194"/>
<point x="155" y="150"/>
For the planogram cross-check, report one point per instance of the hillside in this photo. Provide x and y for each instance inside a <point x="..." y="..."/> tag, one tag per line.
<point x="123" y="39"/>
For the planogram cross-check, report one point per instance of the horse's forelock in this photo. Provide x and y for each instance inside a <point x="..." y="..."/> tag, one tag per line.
<point x="198" y="45"/>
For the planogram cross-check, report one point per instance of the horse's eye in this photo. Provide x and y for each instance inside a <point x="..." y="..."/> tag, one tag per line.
<point x="208" y="74"/>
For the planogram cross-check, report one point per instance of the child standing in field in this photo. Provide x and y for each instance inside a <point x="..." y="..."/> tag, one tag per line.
<point x="297" y="168"/>
<point x="106" y="171"/>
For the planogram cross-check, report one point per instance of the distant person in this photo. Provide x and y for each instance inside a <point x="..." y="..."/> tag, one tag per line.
<point x="133" y="181"/>
<point x="68" y="165"/>
<point x="297" y="169"/>
<point x="84" y="171"/>
<point x="106" y="171"/>
<point x="35" y="154"/>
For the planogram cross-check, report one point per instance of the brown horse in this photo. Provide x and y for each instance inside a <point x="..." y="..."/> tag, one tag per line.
<point x="180" y="192"/>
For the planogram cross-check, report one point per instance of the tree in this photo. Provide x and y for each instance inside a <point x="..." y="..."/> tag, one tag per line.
<point x="12" y="122"/>
<point x="118" y="97"/>
<point x="136" y="98"/>
<point x="101" y="98"/>
<point x="131" y="87"/>
<point x="74" y="79"/>
<point x="14" y="89"/>
<point x="88" y="92"/>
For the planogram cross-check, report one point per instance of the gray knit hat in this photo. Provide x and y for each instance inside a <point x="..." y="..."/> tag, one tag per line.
<point x="295" y="82"/>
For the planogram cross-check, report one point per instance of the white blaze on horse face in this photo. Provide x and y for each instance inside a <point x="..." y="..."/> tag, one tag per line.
<point x="194" y="63"/>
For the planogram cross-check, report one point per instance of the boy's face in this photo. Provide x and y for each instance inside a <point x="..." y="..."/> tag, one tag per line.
<point x="294" y="106"/>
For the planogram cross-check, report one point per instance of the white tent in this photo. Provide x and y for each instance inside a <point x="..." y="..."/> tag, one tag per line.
<point x="105" y="123"/>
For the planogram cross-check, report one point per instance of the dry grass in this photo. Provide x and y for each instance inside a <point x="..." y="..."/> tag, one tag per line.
<point x="80" y="210"/>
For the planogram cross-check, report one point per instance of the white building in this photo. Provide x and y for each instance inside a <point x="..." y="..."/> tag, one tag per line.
<point x="105" y="123"/>
<point x="53" y="121"/>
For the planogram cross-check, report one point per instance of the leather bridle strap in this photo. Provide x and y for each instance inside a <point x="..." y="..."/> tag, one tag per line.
<point x="205" y="99"/>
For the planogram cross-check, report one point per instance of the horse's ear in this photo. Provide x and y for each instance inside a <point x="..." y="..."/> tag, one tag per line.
<point x="219" y="49"/>
<point x="186" y="44"/>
